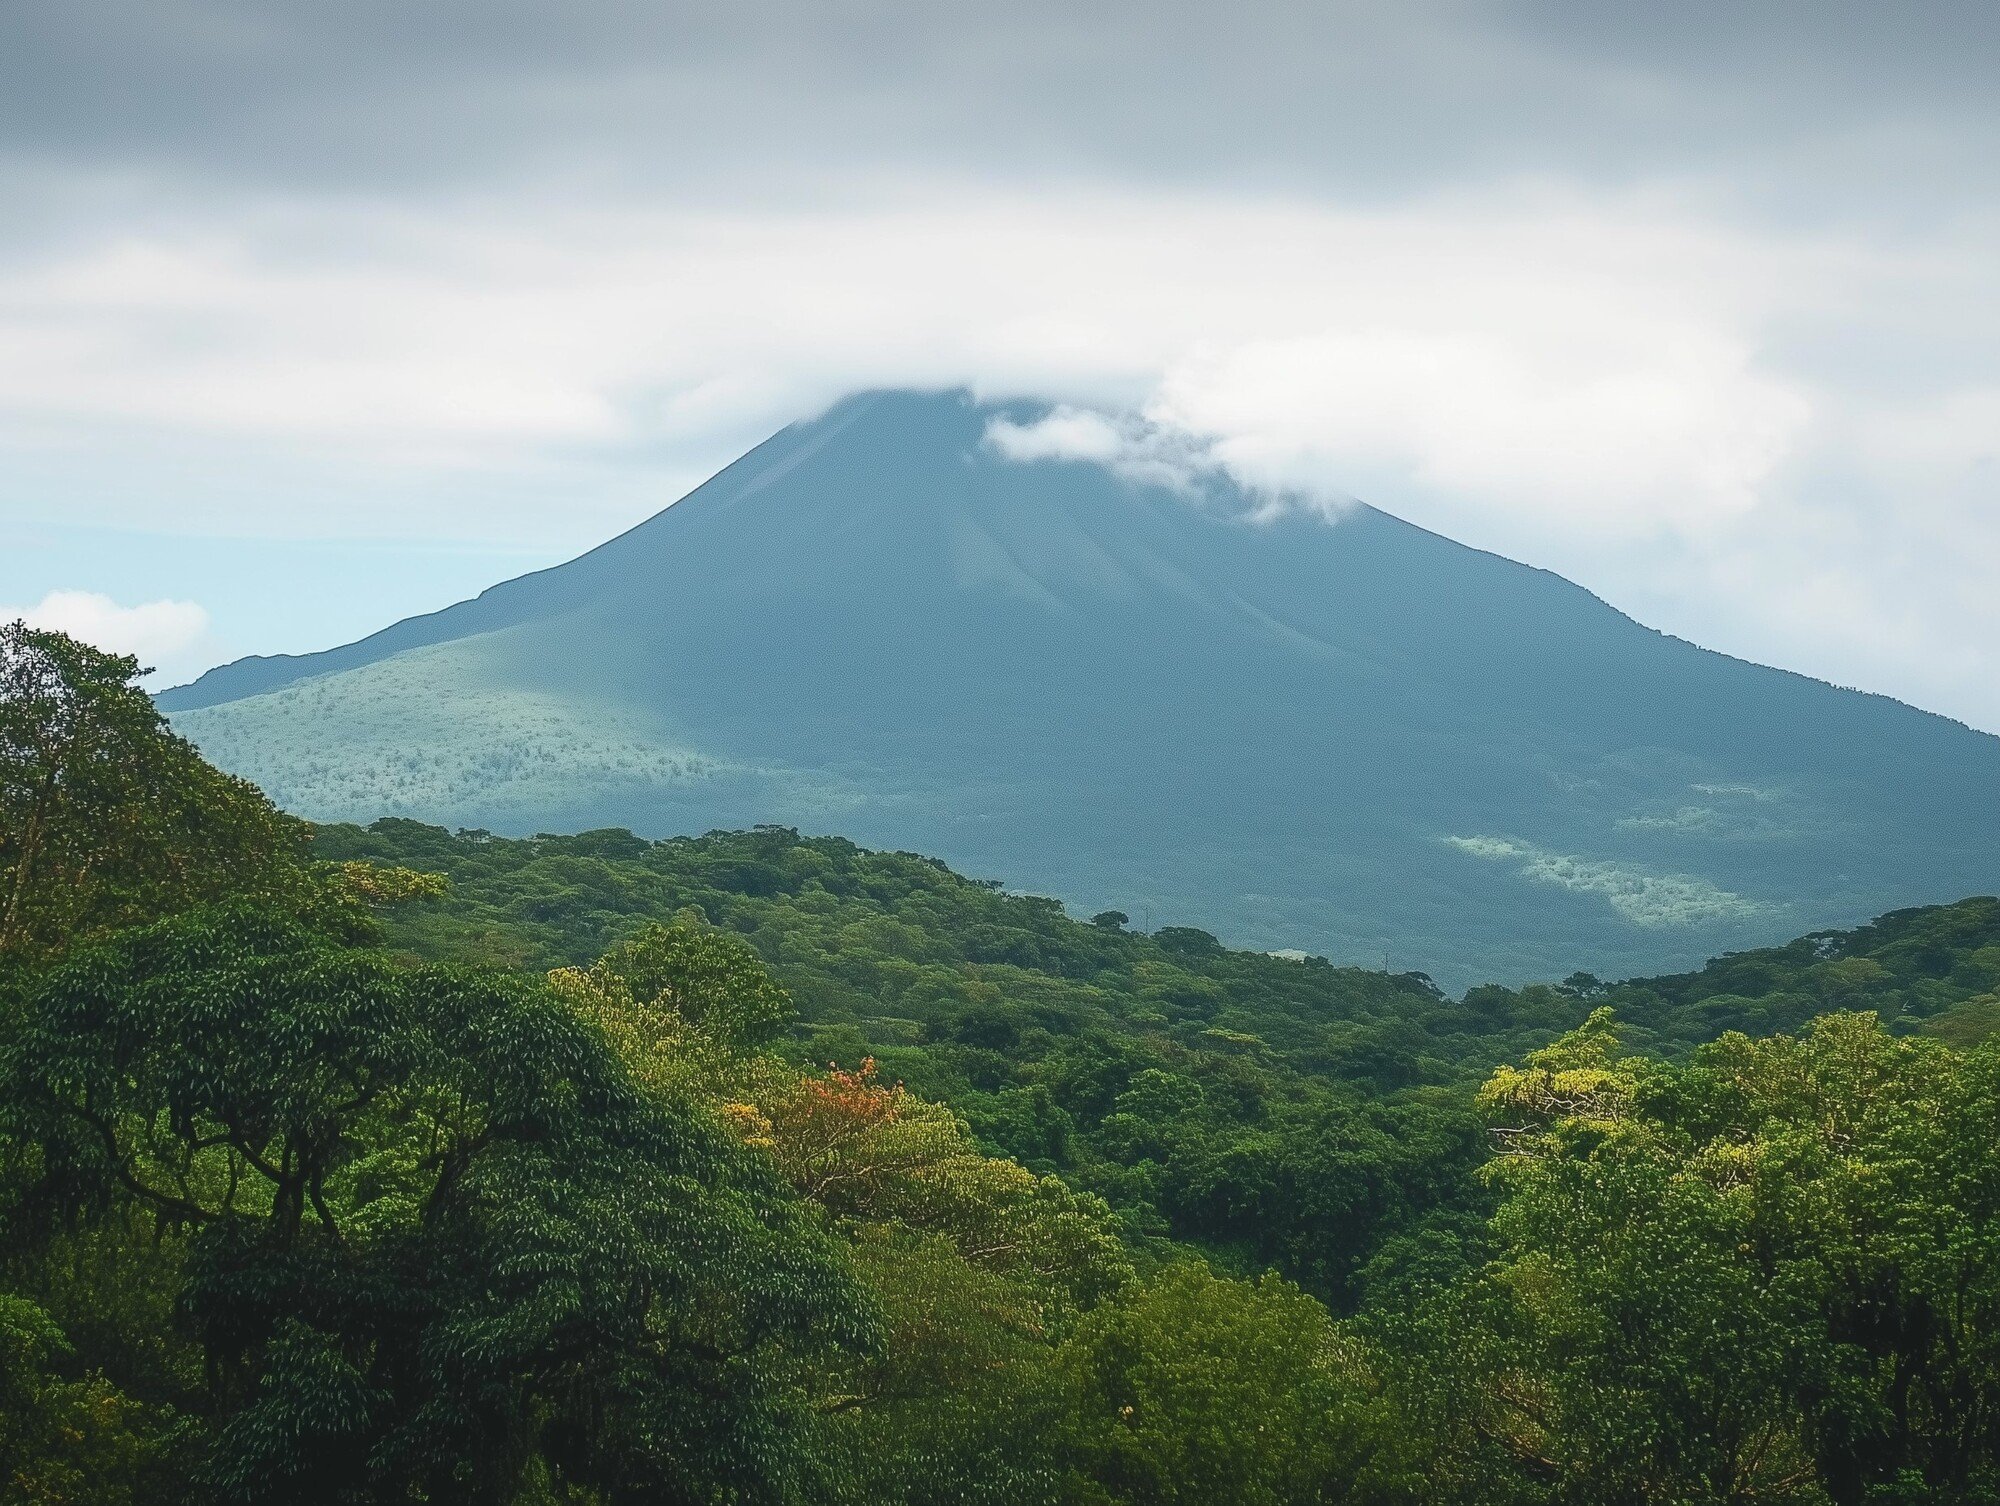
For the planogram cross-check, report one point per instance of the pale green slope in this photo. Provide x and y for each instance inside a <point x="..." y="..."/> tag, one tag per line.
<point x="438" y="732"/>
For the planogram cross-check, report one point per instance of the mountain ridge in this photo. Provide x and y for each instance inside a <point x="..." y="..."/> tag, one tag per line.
<point x="1354" y="735"/>
<point x="254" y="673"/>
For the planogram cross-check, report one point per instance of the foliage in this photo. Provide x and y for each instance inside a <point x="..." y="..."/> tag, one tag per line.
<point x="1228" y="1098"/>
<point x="439" y="1241"/>
<point x="70" y="1440"/>
<point x="1914" y="969"/>
<point x="712" y="981"/>
<point x="1198" y="1391"/>
<point x="962" y="1404"/>
<point x="881" y="1155"/>
<point x="106" y="817"/>
<point x="290" y="1215"/>
<point x="1270" y="1111"/>
<point x="1770" y="1273"/>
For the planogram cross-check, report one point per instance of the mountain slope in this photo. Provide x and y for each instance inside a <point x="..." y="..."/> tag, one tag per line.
<point x="1354" y="737"/>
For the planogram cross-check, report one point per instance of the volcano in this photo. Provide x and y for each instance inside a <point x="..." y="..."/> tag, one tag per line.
<point x="1337" y="733"/>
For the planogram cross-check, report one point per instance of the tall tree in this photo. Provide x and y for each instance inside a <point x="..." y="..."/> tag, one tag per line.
<point x="106" y="817"/>
<point x="442" y="1245"/>
<point x="1768" y="1274"/>
<point x="1192" y="1389"/>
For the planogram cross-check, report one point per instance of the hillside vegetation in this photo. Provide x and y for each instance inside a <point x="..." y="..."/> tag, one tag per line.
<point x="391" y="1165"/>
<point x="432" y="732"/>
<point x="1220" y="1096"/>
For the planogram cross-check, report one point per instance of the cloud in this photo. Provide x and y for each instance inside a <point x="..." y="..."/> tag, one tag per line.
<point x="1633" y="430"/>
<point x="1585" y="362"/>
<point x="154" y="631"/>
<point x="1695" y="304"/>
<point x="1342" y="97"/>
<point x="1066" y="433"/>
<point x="1128" y="445"/>
<point x="1616" y="426"/>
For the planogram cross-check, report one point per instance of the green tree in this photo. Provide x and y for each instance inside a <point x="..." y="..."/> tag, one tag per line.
<point x="1872" y="1164"/>
<point x="1769" y="1274"/>
<point x="962" y="1404"/>
<point x="440" y="1241"/>
<point x="880" y="1154"/>
<point x="106" y="818"/>
<point x="1194" y="1389"/>
<point x="708" y="979"/>
<point x="72" y="1441"/>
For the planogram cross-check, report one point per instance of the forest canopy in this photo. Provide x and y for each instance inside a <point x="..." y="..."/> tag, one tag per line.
<point x="391" y="1164"/>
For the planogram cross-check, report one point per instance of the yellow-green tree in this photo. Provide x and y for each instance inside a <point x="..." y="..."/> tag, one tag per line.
<point x="1193" y="1389"/>
<point x="1769" y="1274"/>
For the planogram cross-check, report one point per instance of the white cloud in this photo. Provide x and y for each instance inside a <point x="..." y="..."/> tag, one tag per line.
<point x="1582" y="361"/>
<point x="1065" y="434"/>
<point x="1632" y="431"/>
<point x="1631" y="388"/>
<point x="158" y="632"/>
<point x="1130" y="446"/>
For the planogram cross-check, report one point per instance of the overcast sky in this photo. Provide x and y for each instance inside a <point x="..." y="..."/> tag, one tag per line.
<point x="312" y="316"/>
